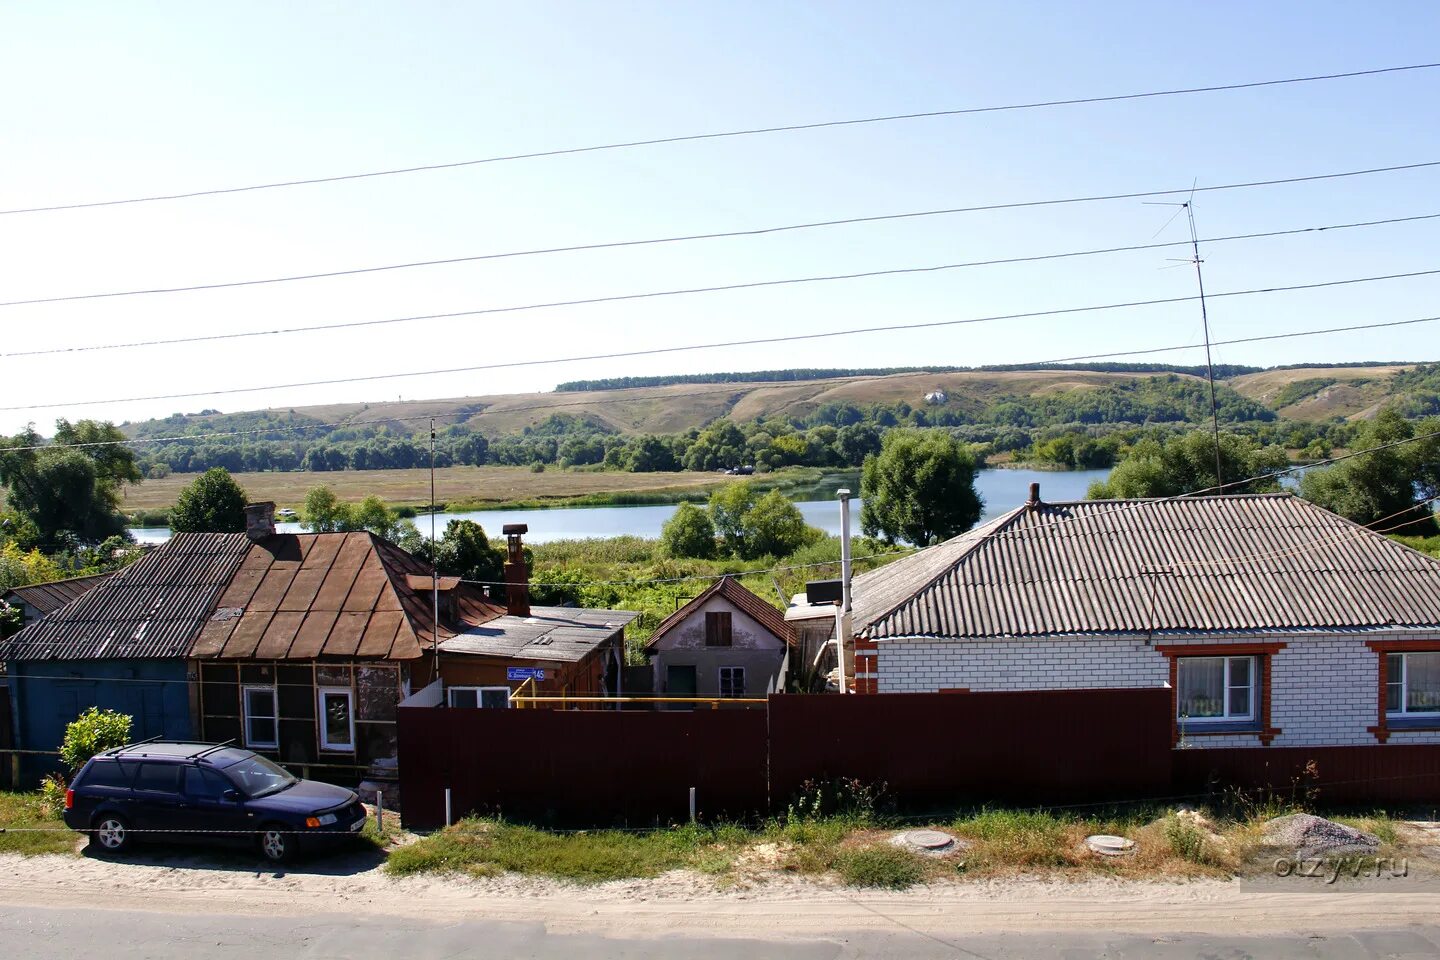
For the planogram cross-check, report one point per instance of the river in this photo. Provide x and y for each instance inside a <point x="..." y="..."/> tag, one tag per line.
<point x="1001" y="490"/>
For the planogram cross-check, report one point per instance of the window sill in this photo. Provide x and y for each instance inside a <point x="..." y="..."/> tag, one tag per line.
<point x="1217" y="729"/>
<point x="1412" y="723"/>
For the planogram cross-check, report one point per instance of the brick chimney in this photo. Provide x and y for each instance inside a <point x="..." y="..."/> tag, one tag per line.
<point x="517" y="574"/>
<point x="1034" y="501"/>
<point x="260" y="520"/>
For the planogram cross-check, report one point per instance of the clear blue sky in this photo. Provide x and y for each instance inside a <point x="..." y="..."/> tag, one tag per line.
<point x="107" y="100"/>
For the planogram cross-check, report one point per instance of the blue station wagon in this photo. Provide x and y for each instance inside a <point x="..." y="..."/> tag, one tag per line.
<point x="207" y="793"/>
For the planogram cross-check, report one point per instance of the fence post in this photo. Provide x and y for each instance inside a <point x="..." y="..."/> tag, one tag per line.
<point x="692" y="804"/>
<point x="15" y="772"/>
<point x="380" y="811"/>
<point x="447" y="806"/>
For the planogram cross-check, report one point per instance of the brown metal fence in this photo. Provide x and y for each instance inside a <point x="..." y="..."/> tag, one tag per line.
<point x="1052" y="746"/>
<point x="1395" y="773"/>
<point x="581" y="767"/>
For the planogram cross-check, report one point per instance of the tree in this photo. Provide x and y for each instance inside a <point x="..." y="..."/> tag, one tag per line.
<point x="70" y="495"/>
<point x="1183" y="464"/>
<point x="19" y="568"/>
<point x="465" y="551"/>
<point x="212" y="503"/>
<point x="94" y="731"/>
<point x="323" y="512"/>
<point x="1385" y="486"/>
<point x="689" y="533"/>
<point x="774" y="527"/>
<point x="728" y="507"/>
<point x="920" y="487"/>
<point x="373" y="515"/>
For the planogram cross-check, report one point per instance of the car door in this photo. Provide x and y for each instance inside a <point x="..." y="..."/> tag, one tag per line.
<point x="155" y="797"/>
<point x="206" y="813"/>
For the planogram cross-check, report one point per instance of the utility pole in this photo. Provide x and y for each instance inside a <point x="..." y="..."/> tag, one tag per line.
<point x="434" y="555"/>
<point x="1209" y="367"/>
<point x="843" y="621"/>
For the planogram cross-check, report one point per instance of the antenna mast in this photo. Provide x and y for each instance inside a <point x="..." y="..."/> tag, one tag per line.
<point x="1209" y="367"/>
<point x="434" y="556"/>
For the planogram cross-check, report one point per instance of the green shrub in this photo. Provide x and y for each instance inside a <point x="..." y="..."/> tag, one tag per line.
<point x="883" y="866"/>
<point x="1187" y="841"/>
<point x="94" y="731"/>
<point x="52" y="796"/>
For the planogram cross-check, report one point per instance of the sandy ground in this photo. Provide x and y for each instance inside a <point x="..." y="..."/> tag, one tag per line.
<point x="181" y="881"/>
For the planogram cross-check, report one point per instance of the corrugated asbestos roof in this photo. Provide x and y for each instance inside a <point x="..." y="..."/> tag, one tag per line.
<point x="736" y="592"/>
<point x="548" y="634"/>
<point x="152" y="608"/>
<point x="1233" y="563"/>
<point x="49" y="597"/>
<point x="332" y="595"/>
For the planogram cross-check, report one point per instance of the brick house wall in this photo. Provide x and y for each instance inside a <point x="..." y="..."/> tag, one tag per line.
<point x="1323" y="690"/>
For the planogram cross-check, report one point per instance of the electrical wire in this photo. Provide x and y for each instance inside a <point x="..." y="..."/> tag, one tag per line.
<point x="748" y="132"/>
<point x="757" y="341"/>
<point x="760" y="231"/>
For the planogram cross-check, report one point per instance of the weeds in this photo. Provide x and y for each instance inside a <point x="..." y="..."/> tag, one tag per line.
<point x="880" y="866"/>
<point x="27" y="810"/>
<point x="1188" y="841"/>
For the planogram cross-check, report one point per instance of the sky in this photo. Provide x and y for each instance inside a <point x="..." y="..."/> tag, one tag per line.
<point x="116" y="100"/>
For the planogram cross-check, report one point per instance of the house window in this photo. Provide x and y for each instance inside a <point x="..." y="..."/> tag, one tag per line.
<point x="337" y="718"/>
<point x="1412" y="684"/>
<point x="732" y="681"/>
<point x="261" y="724"/>
<point x="717" y="628"/>
<point x="486" y="697"/>
<point x="1215" y="689"/>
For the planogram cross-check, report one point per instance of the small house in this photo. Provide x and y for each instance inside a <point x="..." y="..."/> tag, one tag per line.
<point x="36" y="600"/>
<point x="727" y="642"/>
<point x="121" y="644"/>
<point x="1269" y="619"/>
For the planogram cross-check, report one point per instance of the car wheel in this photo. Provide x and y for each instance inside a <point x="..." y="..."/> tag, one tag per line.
<point x="112" y="833"/>
<point x="276" y="844"/>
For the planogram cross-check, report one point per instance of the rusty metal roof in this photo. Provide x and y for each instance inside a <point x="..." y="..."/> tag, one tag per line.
<point x="331" y="595"/>
<point x="152" y="609"/>
<point x="49" y="597"/>
<point x="772" y="619"/>
<point x="1203" y="564"/>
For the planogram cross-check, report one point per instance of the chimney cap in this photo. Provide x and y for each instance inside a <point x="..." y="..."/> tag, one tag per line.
<point x="1034" y="493"/>
<point x="515" y="529"/>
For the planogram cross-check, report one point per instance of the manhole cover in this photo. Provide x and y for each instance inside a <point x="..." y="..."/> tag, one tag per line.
<point x="929" y="839"/>
<point x="1109" y="846"/>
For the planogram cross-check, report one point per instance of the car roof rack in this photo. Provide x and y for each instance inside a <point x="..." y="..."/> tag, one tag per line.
<point x="209" y="750"/>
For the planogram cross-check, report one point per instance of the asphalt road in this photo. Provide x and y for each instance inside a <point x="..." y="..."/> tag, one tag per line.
<point x="51" y="933"/>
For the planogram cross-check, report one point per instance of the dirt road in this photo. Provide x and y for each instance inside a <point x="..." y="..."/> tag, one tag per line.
<point x="688" y="905"/>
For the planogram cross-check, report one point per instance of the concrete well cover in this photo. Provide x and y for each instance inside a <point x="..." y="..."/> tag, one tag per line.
<point x="929" y="839"/>
<point x="1109" y="846"/>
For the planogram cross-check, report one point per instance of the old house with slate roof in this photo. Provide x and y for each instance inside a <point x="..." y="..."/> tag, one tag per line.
<point x="1271" y="620"/>
<point x="121" y="645"/>
<point x="727" y="642"/>
<point x="35" y="600"/>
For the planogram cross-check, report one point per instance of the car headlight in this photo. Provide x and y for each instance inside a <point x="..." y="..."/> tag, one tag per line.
<point x="324" y="820"/>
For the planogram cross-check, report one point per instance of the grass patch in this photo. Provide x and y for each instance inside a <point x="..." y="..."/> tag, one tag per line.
<point x="1188" y="841"/>
<point x="1021" y="838"/>
<point x="881" y="866"/>
<point x="28" y="810"/>
<point x="488" y="847"/>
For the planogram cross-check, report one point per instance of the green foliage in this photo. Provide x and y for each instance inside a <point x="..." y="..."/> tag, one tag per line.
<point x="11" y="620"/>
<point x="885" y="867"/>
<point x="1020" y="838"/>
<point x="1188" y="841"/>
<point x="31" y="811"/>
<point x="94" y="731"/>
<point x="1384" y="487"/>
<point x="689" y="533"/>
<point x="465" y="551"/>
<point x="212" y="503"/>
<point x="67" y="496"/>
<point x="1178" y="465"/>
<point x="1298" y="390"/>
<point x="774" y="527"/>
<point x="919" y="488"/>
<point x="323" y="512"/>
<point x="728" y="507"/>
<point x="19" y="568"/>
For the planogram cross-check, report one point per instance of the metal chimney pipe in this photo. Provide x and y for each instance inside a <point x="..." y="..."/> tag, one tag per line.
<point x="843" y="640"/>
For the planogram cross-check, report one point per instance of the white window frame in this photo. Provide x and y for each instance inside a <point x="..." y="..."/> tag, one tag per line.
<point x="246" y="714"/>
<point x="479" y="697"/>
<point x="720" y="681"/>
<point x="1403" y="682"/>
<point x="1226" y="716"/>
<point x="325" y="742"/>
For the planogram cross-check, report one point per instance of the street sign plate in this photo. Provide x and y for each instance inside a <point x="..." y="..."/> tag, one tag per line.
<point x="524" y="673"/>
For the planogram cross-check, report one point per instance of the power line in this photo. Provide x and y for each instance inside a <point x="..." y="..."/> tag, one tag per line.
<point x="752" y="131"/>
<point x="755" y="232"/>
<point x="757" y="341"/>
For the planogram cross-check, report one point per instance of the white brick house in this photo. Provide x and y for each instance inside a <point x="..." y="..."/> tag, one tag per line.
<point x="1272" y="620"/>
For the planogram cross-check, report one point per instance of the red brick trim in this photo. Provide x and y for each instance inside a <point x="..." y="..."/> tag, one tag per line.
<point x="1381" y="729"/>
<point x="954" y="690"/>
<point x="1261" y="651"/>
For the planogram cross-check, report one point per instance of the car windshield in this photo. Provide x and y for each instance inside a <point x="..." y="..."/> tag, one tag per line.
<point x="258" y="777"/>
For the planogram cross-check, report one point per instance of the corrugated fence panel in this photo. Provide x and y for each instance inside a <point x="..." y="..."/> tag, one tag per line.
<point x="1379" y="774"/>
<point x="939" y="749"/>
<point x="582" y="768"/>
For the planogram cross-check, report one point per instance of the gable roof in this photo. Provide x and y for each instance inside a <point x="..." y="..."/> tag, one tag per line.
<point x="1196" y="564"/>
<point x="49" y="597"/>
<point x="731" y="589"/>
<point x="345" y="595"/>
<point x="153" y="608"/>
